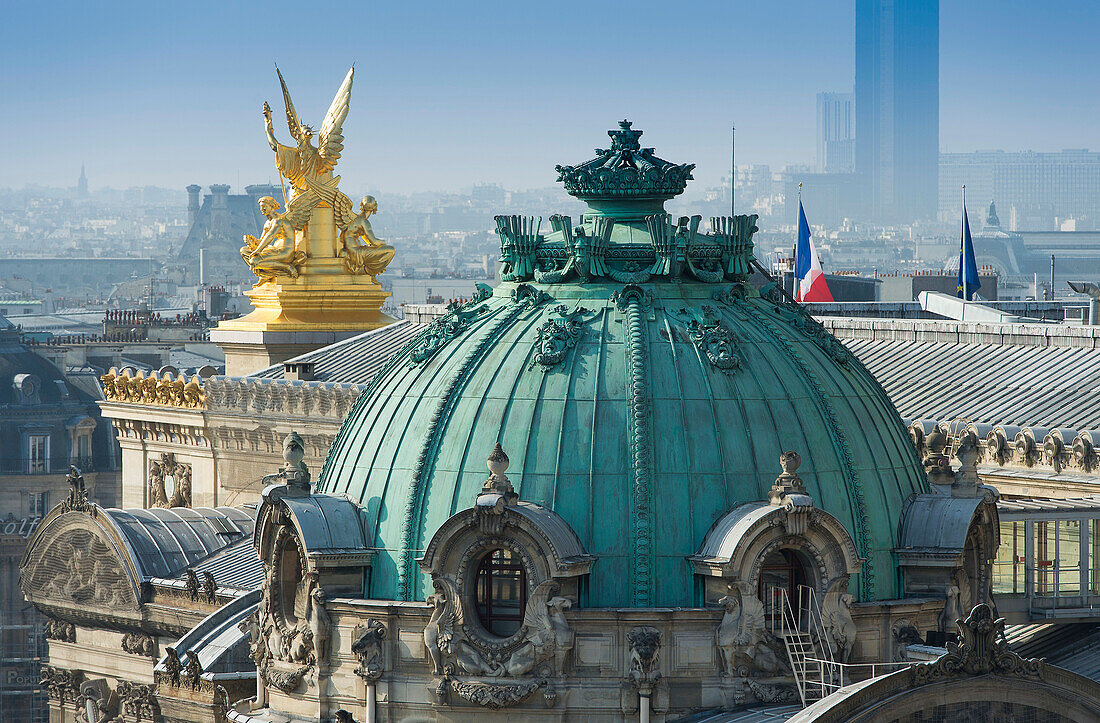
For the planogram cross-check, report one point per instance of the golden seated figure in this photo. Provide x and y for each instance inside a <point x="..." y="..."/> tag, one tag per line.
<point x="363" y="252"/>
<point x="274" y="253"/>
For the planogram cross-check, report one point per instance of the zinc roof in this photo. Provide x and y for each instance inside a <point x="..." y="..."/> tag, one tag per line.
<point x="1026" y="386"/>
<point x="354" y="360"/>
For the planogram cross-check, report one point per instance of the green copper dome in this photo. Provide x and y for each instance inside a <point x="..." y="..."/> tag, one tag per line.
<point x="641" y="387"/>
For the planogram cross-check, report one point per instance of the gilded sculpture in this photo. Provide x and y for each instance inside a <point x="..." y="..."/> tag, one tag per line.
<point x="276" y="253"/>
<point x="363" y="252"/>
<point x="292" y="236"/>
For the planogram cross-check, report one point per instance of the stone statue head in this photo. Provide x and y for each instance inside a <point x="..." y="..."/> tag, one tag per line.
<point x="294" y="449"/>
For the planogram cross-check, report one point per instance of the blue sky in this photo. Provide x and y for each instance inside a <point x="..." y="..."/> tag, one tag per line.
<point x="450" y="94"/>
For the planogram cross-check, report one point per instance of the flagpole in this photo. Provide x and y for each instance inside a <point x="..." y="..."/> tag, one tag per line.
<point x="962" y="252"/>
<point x="733" y="170"/>
<point x="797" y="230"/>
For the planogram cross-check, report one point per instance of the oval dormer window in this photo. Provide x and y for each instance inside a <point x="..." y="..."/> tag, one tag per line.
<point x="500" y="592"/>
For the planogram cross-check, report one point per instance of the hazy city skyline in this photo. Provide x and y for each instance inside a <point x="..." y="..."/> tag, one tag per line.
<point x="455" y="95"/>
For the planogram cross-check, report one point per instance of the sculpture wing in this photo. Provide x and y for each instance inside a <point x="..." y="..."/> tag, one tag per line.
<point x="342" y="210"/>
<point x="299" y="209"/>
<point x="535" y="614"/>
<point x="291" y="115"/>
<point x="330" y="142"/>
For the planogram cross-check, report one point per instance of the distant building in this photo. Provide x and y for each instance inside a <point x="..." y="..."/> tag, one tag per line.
<point x="218" y="225"/>
<point x="1034" y="190"/>
<point x="82" y="184"/>
<point x="897" y="106"/>
<point x="46" y="424"/>
<point x="836" y="128"/>
<point x="829" y="198"/>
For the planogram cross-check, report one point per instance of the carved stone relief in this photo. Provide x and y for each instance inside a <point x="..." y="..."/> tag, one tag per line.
<point x="138" y="701"/>
<point x="95" y="703"/>
<point x="745" y="646"/>
<point x="367" y="647"/>
<point x="169" y="482"/>
<point x="836" y="617"/>
<point x="981" y="650"/>
<point x="645" y="655"/>
<point x="76" y="566"/>
<point x="541" y="647"/>
<point x="60" y="630"/>
<point x="138" y="644"/>
<point x="62" y="685"/>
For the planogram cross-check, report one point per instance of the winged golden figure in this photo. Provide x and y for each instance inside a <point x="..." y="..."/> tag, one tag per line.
<point x="308" y="167"/>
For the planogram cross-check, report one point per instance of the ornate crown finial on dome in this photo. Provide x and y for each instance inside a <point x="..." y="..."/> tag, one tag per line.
<point x="626" y="138"/>
<point x="626" y="170"/>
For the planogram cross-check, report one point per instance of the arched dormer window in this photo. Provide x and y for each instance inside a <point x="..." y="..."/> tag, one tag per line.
<point x="500" y="592"/>
<point x="504" y="571"/>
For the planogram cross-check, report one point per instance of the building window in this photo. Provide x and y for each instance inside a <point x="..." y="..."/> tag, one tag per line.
<point x="782" y="580"/>
<point x="500" y="592"/>
<point x="1008" y="568"/>
<point x="38" y="453"/>
<point x="84" y="452"/>
<point x="39" y="504"/>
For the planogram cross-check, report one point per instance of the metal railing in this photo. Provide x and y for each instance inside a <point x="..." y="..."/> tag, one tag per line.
<point x="53" y="465"/>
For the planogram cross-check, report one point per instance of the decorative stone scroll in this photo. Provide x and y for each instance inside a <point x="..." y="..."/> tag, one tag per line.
<point x="981" y="650"/>
<point x="443" y="330"/>
<point x="155" y="389"/>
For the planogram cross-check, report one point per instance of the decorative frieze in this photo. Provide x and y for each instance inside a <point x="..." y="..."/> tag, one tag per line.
<point x="325" y="400"/>
<point x="1062" y="451"/>
<point x="161" y="390"/>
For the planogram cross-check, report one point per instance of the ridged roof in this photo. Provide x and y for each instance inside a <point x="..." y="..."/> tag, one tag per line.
<point x="167" y="541"/>
<point x="1025" y="386"/>
<point x="354" y="360"/>
<point x="412" y="451"/>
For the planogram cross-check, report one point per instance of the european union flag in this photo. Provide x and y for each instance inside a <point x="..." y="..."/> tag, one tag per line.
<point x="968" y="267"/>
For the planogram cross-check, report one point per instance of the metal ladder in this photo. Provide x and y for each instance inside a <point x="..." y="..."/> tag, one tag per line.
<point x="810" y="649"/>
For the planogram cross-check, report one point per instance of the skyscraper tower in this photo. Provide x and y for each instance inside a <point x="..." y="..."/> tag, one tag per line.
<point x="82" y="184"/>
<point x="898" y="106"/>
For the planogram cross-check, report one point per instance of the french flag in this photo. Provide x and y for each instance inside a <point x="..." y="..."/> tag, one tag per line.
<point x="809" y="279"/>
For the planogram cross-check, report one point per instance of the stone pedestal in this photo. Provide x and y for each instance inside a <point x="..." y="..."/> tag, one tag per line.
<point x="325" y="304"/>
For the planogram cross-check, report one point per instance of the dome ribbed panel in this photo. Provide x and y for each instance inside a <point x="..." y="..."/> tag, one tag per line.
<point x="715" y="438"/>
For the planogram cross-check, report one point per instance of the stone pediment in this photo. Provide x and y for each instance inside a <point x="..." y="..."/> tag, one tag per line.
<point x="75" y="569"/>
